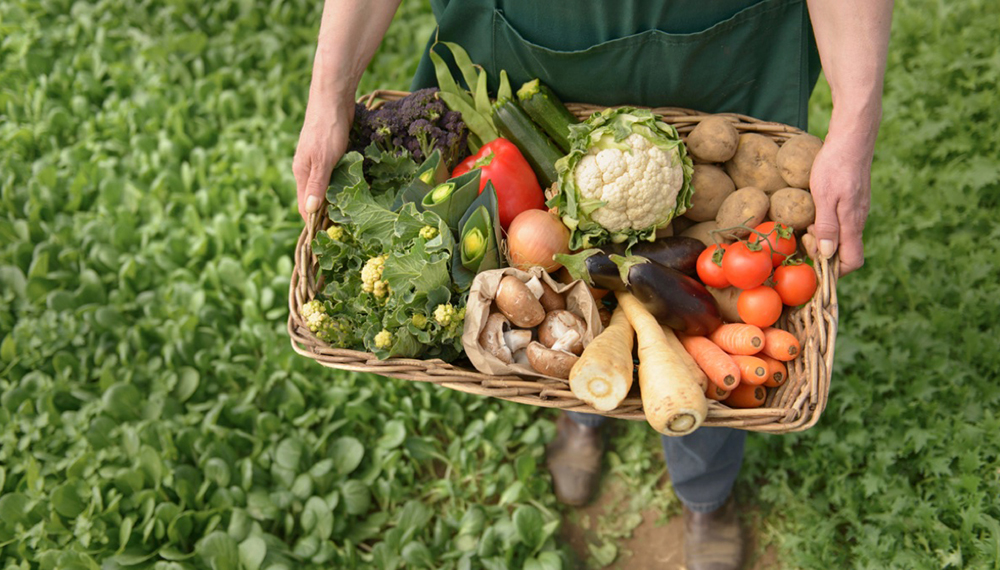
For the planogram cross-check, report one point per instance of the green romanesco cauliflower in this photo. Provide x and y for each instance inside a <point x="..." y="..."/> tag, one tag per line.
<point x="371" y="277"/>
<point x="320" y="322"/>
<point x="444" y="313"/>
<point x="383" y="339"/>
<point x="419" y="320"/>
<point x="336" y="232"/>
<point x="428" y="232"/>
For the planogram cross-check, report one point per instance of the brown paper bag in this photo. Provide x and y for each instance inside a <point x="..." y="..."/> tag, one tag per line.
<point x="484" y="288"/>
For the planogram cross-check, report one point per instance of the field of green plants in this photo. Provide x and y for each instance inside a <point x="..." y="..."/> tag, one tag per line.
<point x="153" y="414"/>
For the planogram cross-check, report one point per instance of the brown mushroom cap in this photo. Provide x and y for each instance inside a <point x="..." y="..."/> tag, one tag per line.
<point x="550" y="362"/>
<point x="518" y="304"/>
<point x="491" y="337"/>
<point x="557" y="324"/>
<point x="550" y="300"/>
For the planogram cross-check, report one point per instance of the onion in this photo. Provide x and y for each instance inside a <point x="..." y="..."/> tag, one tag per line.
<point x="534" y="237"/>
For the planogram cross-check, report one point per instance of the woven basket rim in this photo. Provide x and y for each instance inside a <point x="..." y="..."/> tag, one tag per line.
<point x="795" y="406"/>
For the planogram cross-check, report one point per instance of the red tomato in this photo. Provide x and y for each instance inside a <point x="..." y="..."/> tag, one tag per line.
<point x="760" y="306"/>
<point x="744" y="267"/>
<point x="709" y="270"/>
<point x="795" y="284"/>
<point x="780" y="241"/>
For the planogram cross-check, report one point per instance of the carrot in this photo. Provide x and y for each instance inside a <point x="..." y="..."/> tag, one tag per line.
<point x="672" y="399"/>
<point x="778" y="371"/>
<point x="753" y="371"/>
<point x="780" y="344"/>
<point x="696" y="370"/>
<point x="746" y="396"/>
<point x="602" y="376"/>
<point x="715" y="393"/>
<point x="738" y="338"/>
<point x="713" y="360"/>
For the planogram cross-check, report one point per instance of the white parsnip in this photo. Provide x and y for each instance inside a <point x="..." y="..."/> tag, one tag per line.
<point x="672" y="397"/>
<point x="603" y="375"/>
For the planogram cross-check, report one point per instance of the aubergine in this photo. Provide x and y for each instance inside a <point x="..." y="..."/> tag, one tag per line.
<point x="674" y="299"/>
<point x="594" y="267"/>
<point x="678" y="252"/>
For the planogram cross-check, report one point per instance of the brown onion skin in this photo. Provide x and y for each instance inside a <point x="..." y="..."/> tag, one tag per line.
<point x="519" y="247"/>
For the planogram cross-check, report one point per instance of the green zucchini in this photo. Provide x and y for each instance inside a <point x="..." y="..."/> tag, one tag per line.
<point x="542" y="105"/>
<point x="539" y="150"/>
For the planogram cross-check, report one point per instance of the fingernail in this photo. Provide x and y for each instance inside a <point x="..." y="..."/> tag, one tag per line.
<point x="312" y="204"/>
<point x="826" y="248"/>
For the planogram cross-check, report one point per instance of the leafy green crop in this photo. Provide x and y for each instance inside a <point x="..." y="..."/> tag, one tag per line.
<point x="152" y="413"/>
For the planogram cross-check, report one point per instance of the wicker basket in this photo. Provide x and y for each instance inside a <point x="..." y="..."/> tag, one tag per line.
<point x="795" y="406"/>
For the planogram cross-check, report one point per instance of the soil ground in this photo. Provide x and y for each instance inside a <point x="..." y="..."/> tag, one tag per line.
<point x="654" y="543"/>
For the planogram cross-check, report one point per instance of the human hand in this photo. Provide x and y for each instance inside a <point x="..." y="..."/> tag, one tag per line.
<point x="322" y="142"/>
<point x="840" y="183"/>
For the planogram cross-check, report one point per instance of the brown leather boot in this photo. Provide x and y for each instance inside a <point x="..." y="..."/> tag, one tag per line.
<point x="713" y="541"/>
<point x="574" y="459"/>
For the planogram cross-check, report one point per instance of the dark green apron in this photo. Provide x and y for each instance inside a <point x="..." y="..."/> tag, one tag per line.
<point x="744" y="56"/>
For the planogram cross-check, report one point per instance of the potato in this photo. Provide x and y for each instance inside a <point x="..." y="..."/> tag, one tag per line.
<point x="746" y="206"/>
<point x="795" y="159"/>
<point x="702" y="232"/>
<point x="711" y="187"/>
<point x="713" y="140"/>
<point x="754" y="164"/>
<point x="726" y="299"/>
<point x="681" y="224"/>
<point x="793" y="207"/>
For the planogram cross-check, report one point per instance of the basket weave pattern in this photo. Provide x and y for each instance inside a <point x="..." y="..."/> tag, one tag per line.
<point x="795" y="406"/>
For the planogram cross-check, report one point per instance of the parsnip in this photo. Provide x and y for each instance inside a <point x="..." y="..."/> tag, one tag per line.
<point x="603" y="375"/>
<point x="672" y="397"/>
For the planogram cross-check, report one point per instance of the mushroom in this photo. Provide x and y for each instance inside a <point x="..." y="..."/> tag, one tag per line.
<point x="568" y="341"/>
<point x="518" y="303"/>
<point x="521" y="357"/>
<point x="605" y="316"/>
<point x="550" y="362"/>
<point x="536" y="287"/>
<point x="517" y="339"/>
<point x="492" y="337"/>
<point x="550" y="300"/>
<point x="557" y="324"/>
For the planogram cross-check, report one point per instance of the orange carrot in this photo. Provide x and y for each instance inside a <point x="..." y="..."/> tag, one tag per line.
<point x="718" y="365"/>
<point x="753" y="370"/>
<point x="780" y="344"/>
<point x="738" y="338"/>
<point x="715" y="393"/>
<point x="746" y="396"/>
<point x="778" y="371"/>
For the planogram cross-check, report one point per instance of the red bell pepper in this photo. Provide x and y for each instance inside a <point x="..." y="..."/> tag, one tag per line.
<point x="517" y="187"/>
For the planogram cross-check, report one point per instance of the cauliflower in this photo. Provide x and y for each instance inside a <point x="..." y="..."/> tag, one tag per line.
<point x="638" y="186"/>
<point x="628" y="174"/>
<point x="321" y="323"/>
<point x="371" y="277"/>
<point x="383" y="339"/>
<point x="428" y="232"/>
<point x="443" y="314"/>
<point x="419" y="320"/>
<point x="335" y="232"/>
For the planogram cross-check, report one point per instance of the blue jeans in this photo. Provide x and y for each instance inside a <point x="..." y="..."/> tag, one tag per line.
<point x="703" y="465"/>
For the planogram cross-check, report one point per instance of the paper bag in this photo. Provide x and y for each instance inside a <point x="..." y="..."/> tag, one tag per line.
<point x="484" y="288"/>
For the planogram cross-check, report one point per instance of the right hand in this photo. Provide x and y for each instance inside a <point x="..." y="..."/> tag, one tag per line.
<point x="322" y="141"/>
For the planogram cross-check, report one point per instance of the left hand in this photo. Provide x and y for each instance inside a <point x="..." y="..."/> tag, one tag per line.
<point x="840" y="183"/>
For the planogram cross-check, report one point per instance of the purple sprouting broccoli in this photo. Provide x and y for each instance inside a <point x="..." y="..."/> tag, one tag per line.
<point x="417" y="124"/>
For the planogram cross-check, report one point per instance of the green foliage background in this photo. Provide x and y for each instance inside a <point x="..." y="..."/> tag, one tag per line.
<point x="152" y="413"/>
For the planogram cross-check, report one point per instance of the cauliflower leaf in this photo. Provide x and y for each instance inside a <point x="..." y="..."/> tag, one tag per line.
<point x="627" y="174"/>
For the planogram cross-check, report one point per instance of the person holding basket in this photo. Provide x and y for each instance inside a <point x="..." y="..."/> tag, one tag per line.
<point x="760" y="58"/>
